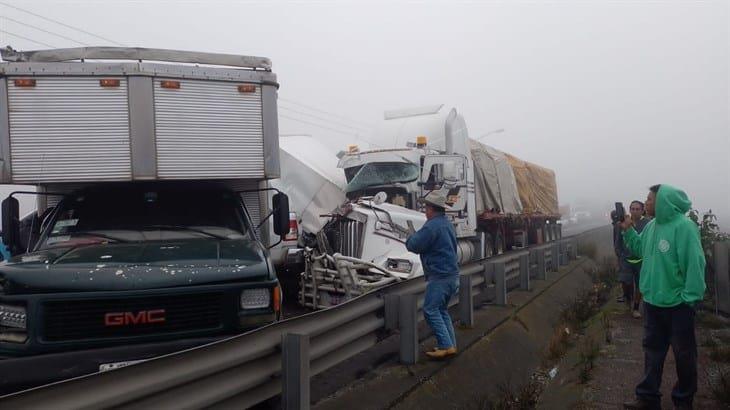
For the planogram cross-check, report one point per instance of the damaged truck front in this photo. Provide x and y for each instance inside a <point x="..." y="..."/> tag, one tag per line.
<point x="361" y="248"/>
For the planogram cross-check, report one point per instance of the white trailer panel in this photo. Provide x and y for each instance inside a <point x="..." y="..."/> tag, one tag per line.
<point x="208" y="129"/>
<point x="65" y="119"/>
<point x="69" y="129"/>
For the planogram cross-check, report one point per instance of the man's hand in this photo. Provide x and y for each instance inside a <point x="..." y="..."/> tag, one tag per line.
<point x="627" y="223"/>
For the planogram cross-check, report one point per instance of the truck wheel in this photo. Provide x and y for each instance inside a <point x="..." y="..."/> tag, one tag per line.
<point x="488" y="246"/>
<point x="499" y="245"/>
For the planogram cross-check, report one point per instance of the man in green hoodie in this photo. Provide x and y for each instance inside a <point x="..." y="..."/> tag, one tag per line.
<point x="672" y="281"/>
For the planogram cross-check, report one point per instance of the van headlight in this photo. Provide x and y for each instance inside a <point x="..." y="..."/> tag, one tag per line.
<point x="12" y="316"/>
<point x="13" y="324"/>
<point x="257" y="298"/>
<point x="399" y="265"/>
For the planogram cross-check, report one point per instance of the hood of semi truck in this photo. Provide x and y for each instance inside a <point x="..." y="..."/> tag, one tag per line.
<point x="130" y="266"/>
<point x="385" y="233"/>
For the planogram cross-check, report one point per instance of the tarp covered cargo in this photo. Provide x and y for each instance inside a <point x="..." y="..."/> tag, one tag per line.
<point x="494" y="180"/>
<point x="536" y="186"/>
<point x="311" y="179"/>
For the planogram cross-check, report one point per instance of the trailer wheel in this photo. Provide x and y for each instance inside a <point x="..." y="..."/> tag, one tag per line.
<point x="488" y="246"/>
<point x="499" y="245"/>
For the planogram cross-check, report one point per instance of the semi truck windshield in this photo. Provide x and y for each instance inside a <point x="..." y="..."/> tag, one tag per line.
<point x="382" y="173"/>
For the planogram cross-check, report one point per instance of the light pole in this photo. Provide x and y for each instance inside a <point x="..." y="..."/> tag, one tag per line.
<point x="497" y="131"/>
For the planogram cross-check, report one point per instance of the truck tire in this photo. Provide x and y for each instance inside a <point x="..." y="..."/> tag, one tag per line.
<point x="488" y="246"/>
<point x="499" y="245"/>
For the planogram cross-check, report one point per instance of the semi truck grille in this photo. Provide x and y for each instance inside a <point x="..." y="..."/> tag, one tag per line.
<point x="350" y="237"/>
<point x="129" y="317"/>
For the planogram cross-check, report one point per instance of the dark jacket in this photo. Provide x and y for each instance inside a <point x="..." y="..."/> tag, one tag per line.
<point x="435" y="242"/>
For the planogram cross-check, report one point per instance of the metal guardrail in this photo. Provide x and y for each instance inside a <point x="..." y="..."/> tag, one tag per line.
<point x="721" y="264"/>
<point x="280" y="358"/>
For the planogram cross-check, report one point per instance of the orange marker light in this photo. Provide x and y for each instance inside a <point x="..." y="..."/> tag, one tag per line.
<point x="276" y="299"/>
<point x="247" y="88"/>
<point x="109" y="82"/>
<point x="24" y="82"/>
<point x="170" y="84"/>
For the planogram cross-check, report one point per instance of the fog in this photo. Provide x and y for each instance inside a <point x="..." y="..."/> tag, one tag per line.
<point x="614" y="96"/>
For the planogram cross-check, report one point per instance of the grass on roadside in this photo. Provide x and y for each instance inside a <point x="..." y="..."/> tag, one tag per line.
<point x="510" y="397"/>
<point x="711" y="321"/>
<point x="587" y="355"/>
<point x="720" y="385"/>
<point x="720" y="353"/>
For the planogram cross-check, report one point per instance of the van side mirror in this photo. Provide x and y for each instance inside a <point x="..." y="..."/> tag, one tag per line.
<point x="280" y="206"/>
<point x="11" y="224"/>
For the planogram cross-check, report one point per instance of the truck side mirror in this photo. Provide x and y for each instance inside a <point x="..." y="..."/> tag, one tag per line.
<point x="11" y="224"/>
<point x="280" y="205"/>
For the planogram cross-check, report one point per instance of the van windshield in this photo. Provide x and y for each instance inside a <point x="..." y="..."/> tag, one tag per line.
<point x="137" y="214"/>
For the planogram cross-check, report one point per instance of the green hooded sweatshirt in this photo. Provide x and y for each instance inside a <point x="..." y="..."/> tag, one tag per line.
<point x="673" y="271"/>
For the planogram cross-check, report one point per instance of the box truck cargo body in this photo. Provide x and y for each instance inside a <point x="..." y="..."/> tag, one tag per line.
<point x="149" y="167"/>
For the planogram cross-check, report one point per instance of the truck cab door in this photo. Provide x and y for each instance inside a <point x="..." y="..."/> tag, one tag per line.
<point x="446" y="172"/>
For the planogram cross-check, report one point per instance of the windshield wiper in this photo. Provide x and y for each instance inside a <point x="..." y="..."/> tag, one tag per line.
<point x="187" y="228"/>
<point x="100" y="235"/>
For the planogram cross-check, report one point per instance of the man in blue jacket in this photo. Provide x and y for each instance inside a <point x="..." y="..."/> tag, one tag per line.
<point x="435" y="242"/>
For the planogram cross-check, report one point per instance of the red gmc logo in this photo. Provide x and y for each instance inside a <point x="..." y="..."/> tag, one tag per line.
<point x="131" y="318"/>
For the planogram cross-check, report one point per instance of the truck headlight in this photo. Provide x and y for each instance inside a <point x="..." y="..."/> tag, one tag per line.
<point x="255" y="298"/>
<point x="12" y="316"/>
<point x="399" y="265"/>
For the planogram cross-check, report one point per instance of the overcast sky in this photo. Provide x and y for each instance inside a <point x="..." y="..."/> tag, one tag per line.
<point x="613" y="95"/>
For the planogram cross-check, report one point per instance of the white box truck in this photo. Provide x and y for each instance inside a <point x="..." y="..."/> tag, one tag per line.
<point x="150" y="167"/>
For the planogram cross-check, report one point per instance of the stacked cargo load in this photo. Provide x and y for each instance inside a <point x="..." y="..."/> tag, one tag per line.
<point x="537" y="187"/>
<point x="494" y="180"/>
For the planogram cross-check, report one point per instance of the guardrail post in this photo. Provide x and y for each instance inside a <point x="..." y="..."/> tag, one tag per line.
<point x="391" y="302"/>
<point x="500" y="283"/>
<point x="525" y="272"/>
<point x="482" y="245"/>
<point x="721" y="253"/>
<point x="466" y="301"/>
<point x="295" y="371"/>
<point x="541" y="268"/>
<point x="408" y="324"/>
<point x="574" y="249"/>
<point x="564" y="253"/>
<point x="555" y="256"/>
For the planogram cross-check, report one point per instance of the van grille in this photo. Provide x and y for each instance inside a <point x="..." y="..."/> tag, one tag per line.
<point x="87" y="319"/>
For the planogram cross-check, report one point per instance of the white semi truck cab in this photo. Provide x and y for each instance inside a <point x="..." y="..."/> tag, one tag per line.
<point x="433" y="156"/>
<point x="426" y="149"/>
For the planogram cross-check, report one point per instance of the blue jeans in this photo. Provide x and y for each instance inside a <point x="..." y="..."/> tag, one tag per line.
<point x="436" y="310"/>
<point x="665" y="327"/>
